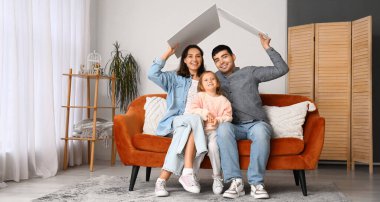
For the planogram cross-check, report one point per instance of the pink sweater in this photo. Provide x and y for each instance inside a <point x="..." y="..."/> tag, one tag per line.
<point x="218" y="106"/>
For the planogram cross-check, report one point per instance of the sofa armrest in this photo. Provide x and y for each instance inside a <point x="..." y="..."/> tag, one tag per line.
<point x="314" y="132"/>
<point x="125" y="127"/>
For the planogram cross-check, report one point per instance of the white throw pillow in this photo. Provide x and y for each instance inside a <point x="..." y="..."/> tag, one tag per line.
<point x="155" y="108"/>
<point x="287" y="121"/>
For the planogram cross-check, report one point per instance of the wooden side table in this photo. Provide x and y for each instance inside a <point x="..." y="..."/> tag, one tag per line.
<point x="95" y="107"/>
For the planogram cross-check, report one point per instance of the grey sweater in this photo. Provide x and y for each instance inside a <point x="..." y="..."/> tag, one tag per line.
<point x="241" y="88"/>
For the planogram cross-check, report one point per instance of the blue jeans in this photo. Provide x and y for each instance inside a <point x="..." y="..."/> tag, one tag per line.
<point x="183" y="125"/>
<point x="259" y="133"/>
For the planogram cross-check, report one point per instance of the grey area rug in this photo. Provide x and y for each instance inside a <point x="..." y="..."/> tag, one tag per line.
<point x="113" y="188"/>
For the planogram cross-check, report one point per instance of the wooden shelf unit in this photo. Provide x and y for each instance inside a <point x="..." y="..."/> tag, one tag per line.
<point x="94" y="107"/>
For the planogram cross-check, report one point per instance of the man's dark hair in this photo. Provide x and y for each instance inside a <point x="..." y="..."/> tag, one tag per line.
<point x="219" y="48"/>
<point x="183" y="69"/>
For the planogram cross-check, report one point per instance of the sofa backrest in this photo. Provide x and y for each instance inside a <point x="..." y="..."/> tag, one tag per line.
<point x="281" y="100"/>
<point x="267" y="99"/>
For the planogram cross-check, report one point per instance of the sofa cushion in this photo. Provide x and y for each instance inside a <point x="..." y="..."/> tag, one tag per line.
<point x="287" y="121"/>
<point x="155" y="108"/>
<point x="151" y="143"/>
<point x="281" y="146"/>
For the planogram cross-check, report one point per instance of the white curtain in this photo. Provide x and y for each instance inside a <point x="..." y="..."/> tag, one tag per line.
<point x="39" y="41"/>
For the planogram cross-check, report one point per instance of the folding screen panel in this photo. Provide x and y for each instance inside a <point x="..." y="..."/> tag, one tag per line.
<point x="333" y="87"/>
<point x="301" y="60"/>
<point x="361" y="117"/>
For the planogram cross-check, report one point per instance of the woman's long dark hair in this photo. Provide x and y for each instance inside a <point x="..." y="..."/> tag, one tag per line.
<point x="183" y="69"/>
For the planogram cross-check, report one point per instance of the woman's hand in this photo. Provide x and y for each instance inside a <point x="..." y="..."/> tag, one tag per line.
<point x="264" y="41"/>
<point x="169" y="52"/>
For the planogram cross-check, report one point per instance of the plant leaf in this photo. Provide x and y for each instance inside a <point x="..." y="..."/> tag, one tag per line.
<point x="127" y="73"/>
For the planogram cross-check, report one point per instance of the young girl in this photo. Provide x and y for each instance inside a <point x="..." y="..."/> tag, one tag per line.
<point x="214" y="108"/>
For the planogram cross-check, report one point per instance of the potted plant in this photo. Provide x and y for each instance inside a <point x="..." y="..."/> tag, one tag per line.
<point x="127" y="73"/>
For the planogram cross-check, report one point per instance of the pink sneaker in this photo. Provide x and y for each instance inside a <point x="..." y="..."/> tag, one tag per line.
<point x="190" y="183"/>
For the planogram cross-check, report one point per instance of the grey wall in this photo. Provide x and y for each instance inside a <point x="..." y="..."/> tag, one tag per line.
<point x="310" y="11"/>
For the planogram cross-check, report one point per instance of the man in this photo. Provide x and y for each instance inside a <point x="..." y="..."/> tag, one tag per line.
<point x="249" y="119"/>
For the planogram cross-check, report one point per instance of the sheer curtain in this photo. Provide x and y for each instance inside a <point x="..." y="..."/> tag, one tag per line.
<point x="39" y="41"/>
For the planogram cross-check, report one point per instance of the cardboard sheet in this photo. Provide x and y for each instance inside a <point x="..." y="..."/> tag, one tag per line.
<point x="241" y="23"/>
<point x="203" y="26"/>
<point x="197" y="30"/>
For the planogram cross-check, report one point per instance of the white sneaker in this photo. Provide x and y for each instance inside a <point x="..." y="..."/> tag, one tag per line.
<point x="190" y="183"/>
<point x="236" y="189"/>
<point x="217" y="186"/>
<point x="160" y="189"/>
<point x="259" y="192"/>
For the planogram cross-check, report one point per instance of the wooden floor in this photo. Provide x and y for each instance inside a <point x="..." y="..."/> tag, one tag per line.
<point x="358" y="185"/>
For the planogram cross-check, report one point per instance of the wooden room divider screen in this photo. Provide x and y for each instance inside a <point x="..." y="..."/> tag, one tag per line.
<point x="301" y="60"/>
<point x="333" y="86"/>
<point x="361" y="115"/>
<point x="331" y="63"/>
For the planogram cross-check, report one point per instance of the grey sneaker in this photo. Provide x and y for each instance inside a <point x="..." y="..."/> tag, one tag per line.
<point x="160" y="189"/>
<point x="217" y="186"/>
<point x="236" y="189"/>
<point x="190" y="183"/>
<point x="259" y="192"/>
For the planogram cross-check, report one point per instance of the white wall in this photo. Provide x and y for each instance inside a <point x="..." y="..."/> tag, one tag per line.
<point x="142" y="27"/>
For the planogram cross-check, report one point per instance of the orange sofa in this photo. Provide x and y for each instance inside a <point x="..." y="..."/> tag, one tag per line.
<point x="138" y="149"/>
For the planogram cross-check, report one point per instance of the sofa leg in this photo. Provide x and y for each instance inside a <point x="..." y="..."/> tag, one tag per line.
<point x="303" y="182"/>
<point x="135" y="171"/>
<point x="296" y="174"/>
<point x="148" y="171"/>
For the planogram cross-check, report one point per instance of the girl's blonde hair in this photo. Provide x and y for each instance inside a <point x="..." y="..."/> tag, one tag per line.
<point x="200" y="83"/>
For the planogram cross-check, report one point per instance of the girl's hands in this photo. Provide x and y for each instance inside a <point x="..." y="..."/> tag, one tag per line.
<point x="211" y="120"/>
<point x="169" y="52"/>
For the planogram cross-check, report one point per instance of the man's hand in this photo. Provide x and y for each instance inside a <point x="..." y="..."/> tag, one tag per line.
<point x="264" y="41"/>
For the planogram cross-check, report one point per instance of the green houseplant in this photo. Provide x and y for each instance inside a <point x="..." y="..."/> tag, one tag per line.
<point x="127" y="73"/>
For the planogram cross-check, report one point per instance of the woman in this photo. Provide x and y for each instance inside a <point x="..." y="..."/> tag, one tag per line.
<point x="188" y="145"/>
